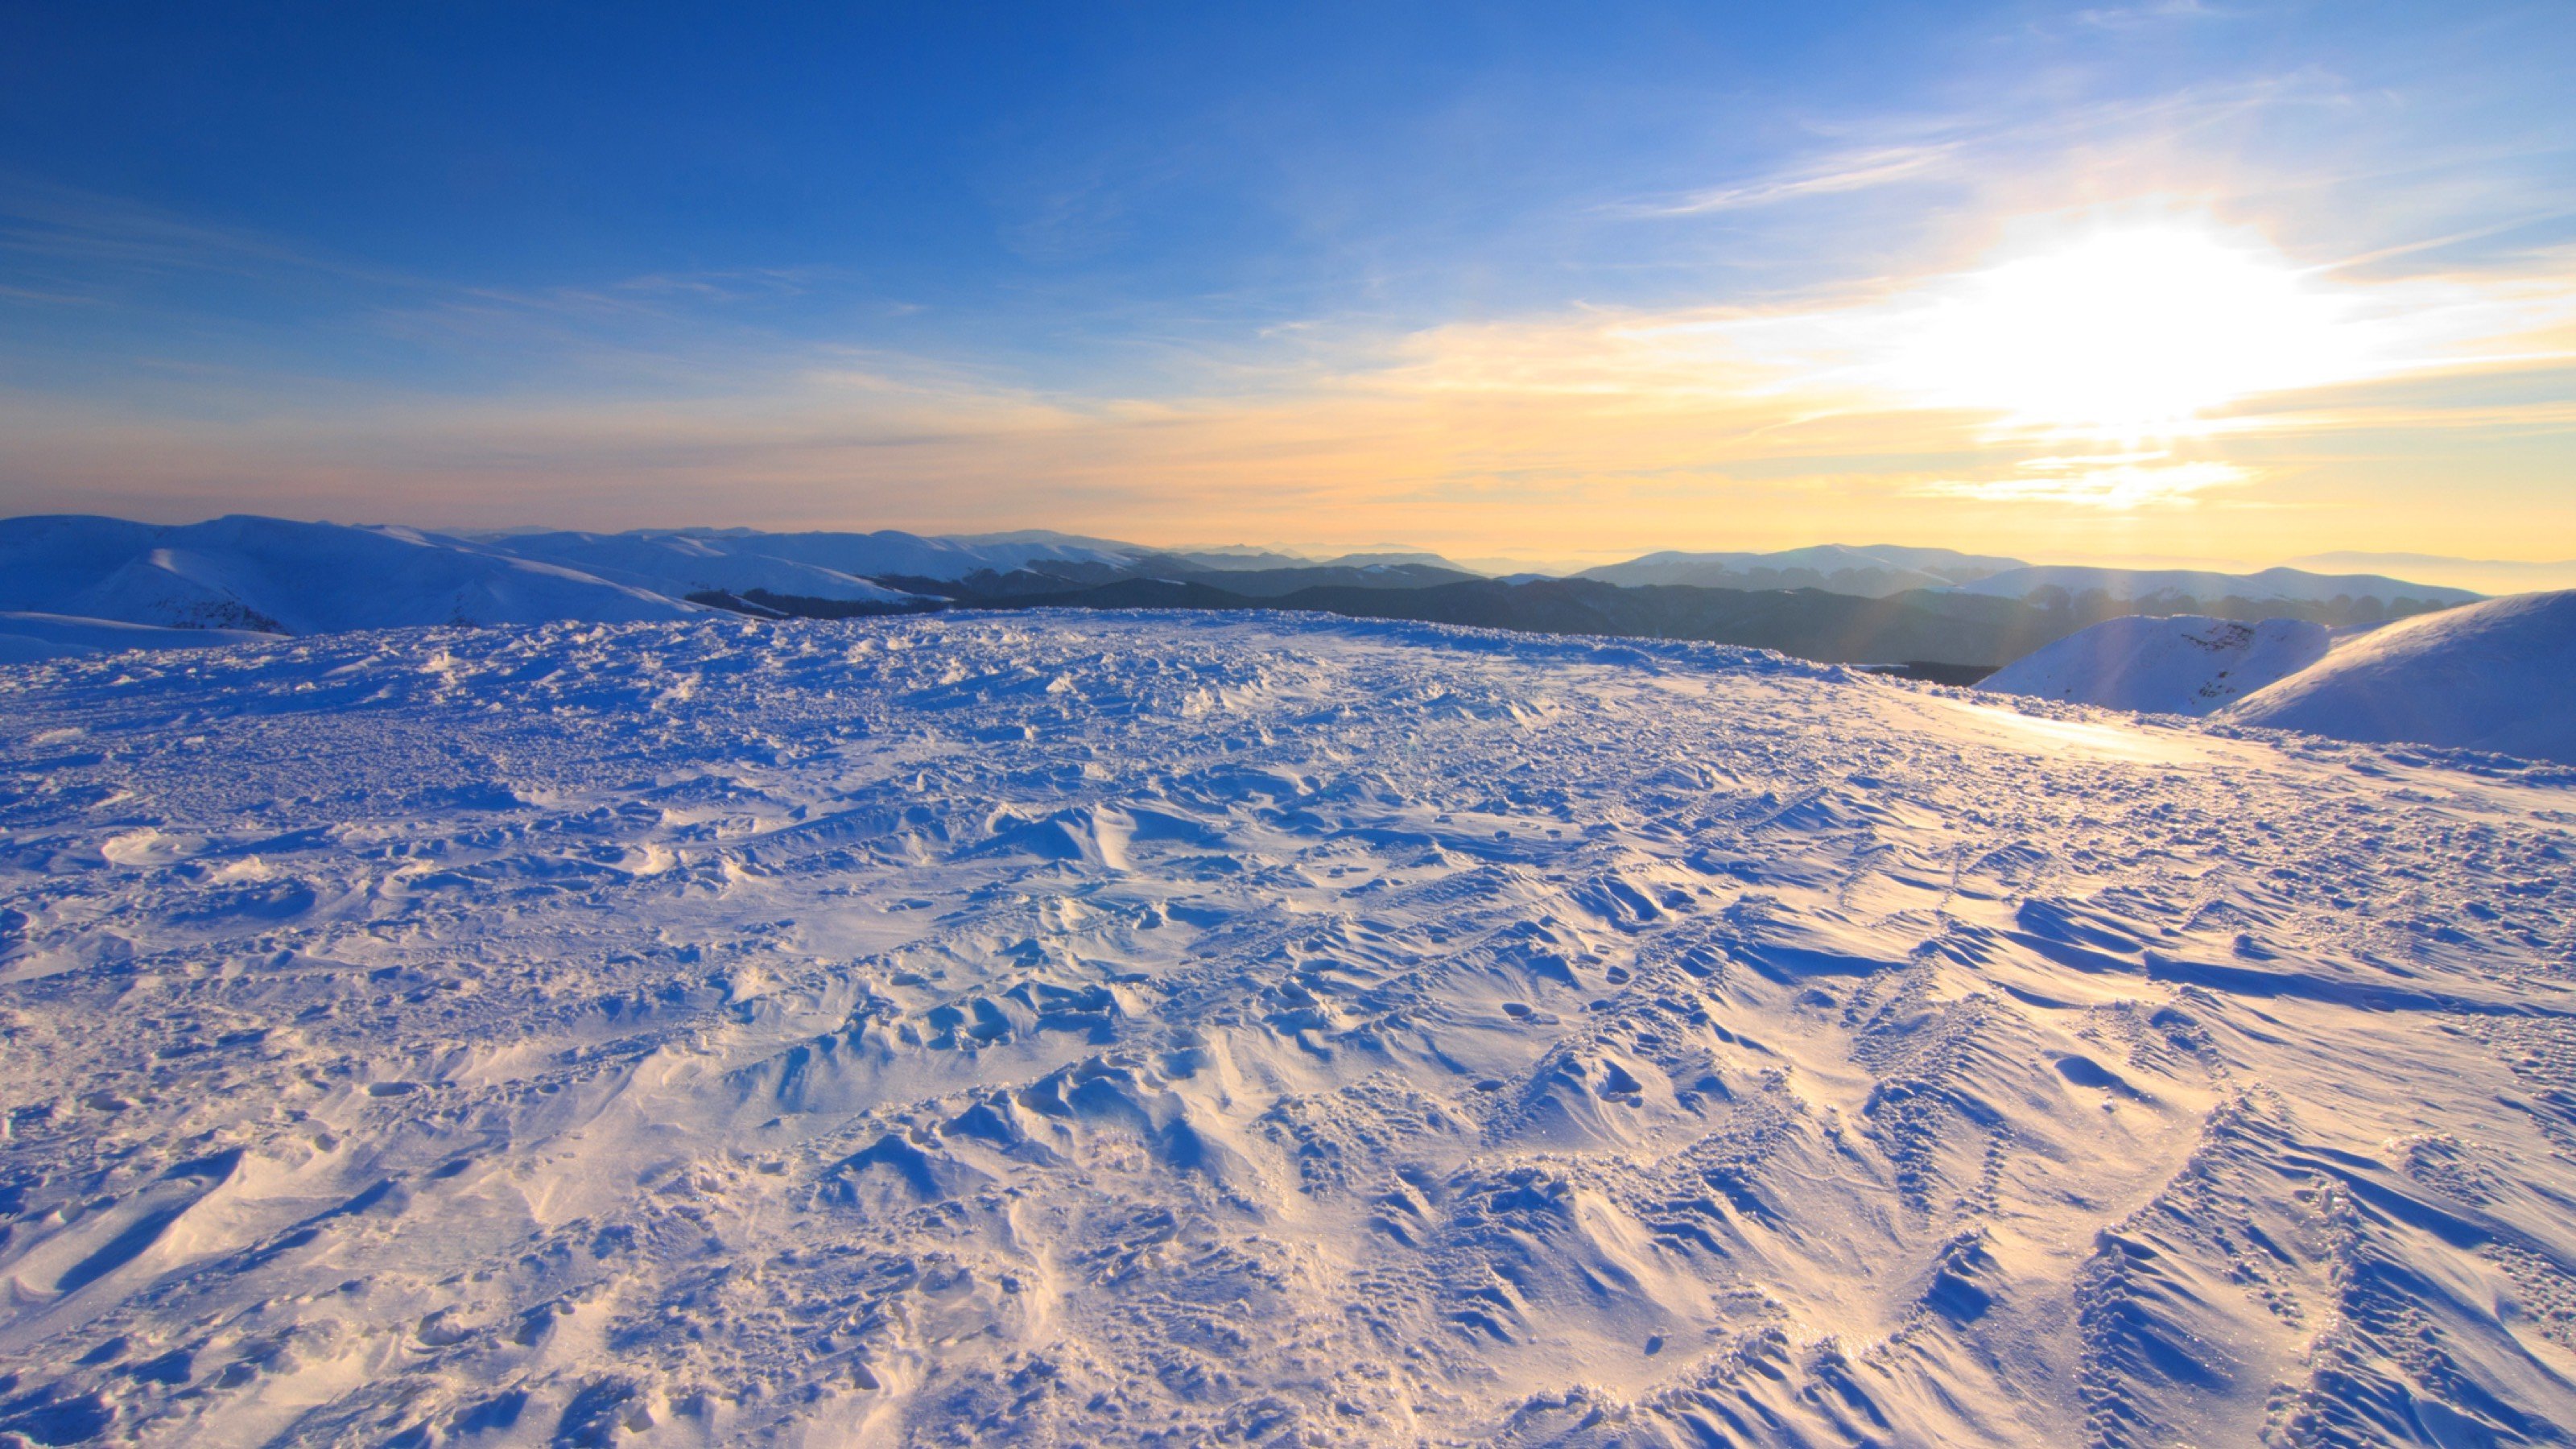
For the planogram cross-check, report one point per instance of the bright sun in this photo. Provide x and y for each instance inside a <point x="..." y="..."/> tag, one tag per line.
<point x="2127" y="333"/>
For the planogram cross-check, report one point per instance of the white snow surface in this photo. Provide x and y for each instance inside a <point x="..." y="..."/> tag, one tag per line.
<point x="1197" y="1029"/>
<point x="275" y="575"/>
<point x="2499" y="675"/>
<point x="2176" y="664"/>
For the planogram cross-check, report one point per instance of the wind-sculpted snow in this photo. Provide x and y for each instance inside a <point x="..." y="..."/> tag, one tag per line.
<point x="1178" y="1030"/>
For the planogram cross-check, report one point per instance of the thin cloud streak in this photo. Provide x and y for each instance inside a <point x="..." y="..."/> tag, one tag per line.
<point x="1858" y="171"/>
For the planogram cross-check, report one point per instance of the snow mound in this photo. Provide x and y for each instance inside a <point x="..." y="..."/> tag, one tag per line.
<point x="277" y="576"/>
<point x="1080" y="1029"/>
<point x="2180" y="664"/>
<point x="2499" y="675"/>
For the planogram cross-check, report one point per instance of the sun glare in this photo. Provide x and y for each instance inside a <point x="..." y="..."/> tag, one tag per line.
<point x="2125" y="333"/>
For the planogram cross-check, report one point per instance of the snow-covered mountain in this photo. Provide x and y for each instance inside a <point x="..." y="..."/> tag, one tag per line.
<point x="2174" y="664"/>
<point x="1871" y="571"/>
<point x="1193" y="1029"/>
<point x="2499" y="675"/>
<point x="2177" y="588"/>
<point x="299" y="578"/>
<point x="678" y="564"/>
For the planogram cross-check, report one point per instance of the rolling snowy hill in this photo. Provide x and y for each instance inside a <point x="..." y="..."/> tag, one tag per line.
<point x="2174" y="664"/>
<point x="2499" y="676"/>
<point x="298" y="578"/>
<point x="1057" y="1028"/>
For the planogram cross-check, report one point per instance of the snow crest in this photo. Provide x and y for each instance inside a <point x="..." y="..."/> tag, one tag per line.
<point x="2499" y="675"/>
<point x="2183" y="664"/>
<point x="1183" y="1029"/>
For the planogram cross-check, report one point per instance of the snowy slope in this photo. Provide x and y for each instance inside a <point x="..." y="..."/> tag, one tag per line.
<point x="2183" y="586"/>
<point x="299" y="578"/>
<point x="1063" y="1029"/>
<point x="1873" y="571"/>
<point x="2499" y="676"/>
<point x="27" y="637"/>
<point x="2178" y="664"/>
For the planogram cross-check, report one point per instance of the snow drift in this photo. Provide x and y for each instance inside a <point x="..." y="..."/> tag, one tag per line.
<point x="2499" y="675"/>
<point x="1112" y="1029"/>
<point x="2179" y="664"/>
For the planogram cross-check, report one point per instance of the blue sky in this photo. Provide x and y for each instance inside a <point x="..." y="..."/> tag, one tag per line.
<point x="1306" y="274"/>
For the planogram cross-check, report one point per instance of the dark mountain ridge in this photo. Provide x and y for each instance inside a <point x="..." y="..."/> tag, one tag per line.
<point x="1940" y="631"/>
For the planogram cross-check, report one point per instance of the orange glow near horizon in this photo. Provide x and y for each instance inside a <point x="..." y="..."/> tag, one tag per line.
<point x="2145" y="383"/>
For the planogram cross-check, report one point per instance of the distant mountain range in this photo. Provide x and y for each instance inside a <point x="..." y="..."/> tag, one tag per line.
<point x="2487" y="576"/>
<point x="2173" y="590"/>
<point x="1872" y="571"/>
<point x="1878" y="604"/>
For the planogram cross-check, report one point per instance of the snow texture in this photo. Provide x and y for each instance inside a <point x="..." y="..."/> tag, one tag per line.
<point x="2178" y="664"/>
<point x="1181" y="1029"/>
<point x="2499" y="675"/>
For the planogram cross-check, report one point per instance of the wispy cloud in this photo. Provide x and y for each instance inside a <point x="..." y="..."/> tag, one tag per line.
<point x="2120" y="485"/>
<point x="58" y="231"/>
<point x="2138" y="17"/>
<point x="1831" y="176"/>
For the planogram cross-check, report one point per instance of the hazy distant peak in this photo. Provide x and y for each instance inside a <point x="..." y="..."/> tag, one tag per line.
<point x="1870" y="570"/>
<point x="2205" y="586"/>
<point x="2487" y="576"/>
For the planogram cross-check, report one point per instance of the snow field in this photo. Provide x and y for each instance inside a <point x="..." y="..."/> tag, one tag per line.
<point x="1184" y="1029"/>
